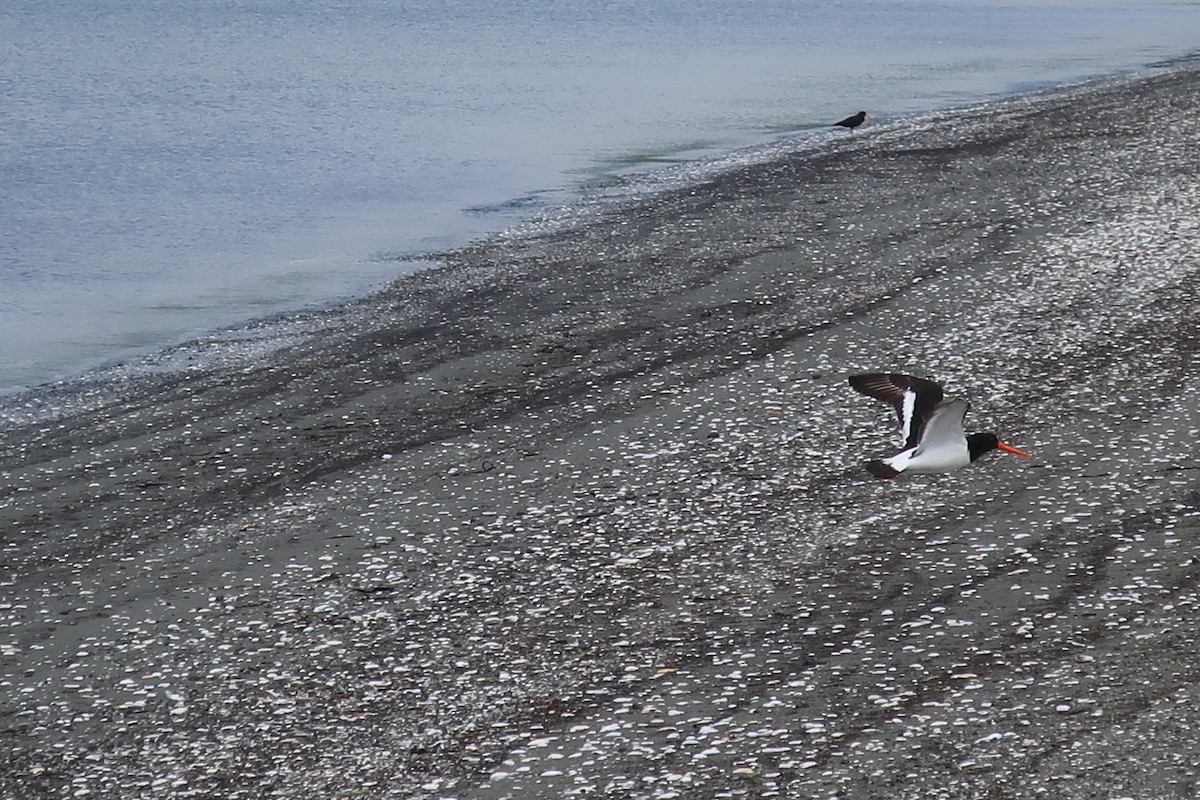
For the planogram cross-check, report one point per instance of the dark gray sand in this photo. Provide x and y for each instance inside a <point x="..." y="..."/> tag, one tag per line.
<point x="583" y="514"/>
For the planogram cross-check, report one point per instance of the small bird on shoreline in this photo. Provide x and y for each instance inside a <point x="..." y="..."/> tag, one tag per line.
<point x="854" y="121"/>
<point x="934" y="440"/>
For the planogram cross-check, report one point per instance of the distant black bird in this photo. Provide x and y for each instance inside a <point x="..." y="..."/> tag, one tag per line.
<point x="932" y="428"/>
<point x="853" y="122"/>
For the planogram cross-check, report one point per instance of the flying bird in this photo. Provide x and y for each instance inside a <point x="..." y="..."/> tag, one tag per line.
<point x="854" y="121"/>
<point x="932" y="428"/>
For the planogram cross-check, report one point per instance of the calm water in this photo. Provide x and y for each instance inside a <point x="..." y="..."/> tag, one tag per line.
<point x="171" y="166"/>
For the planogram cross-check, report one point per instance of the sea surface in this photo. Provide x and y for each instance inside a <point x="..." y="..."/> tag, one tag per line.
<point x="170" y="167"/>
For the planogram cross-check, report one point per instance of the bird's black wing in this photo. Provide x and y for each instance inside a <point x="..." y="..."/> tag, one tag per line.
<point x="914" y="399"/>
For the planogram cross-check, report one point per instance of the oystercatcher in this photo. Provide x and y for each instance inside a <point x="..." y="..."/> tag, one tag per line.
<point x="854" y="121"/>
<point x="934" y="440"/>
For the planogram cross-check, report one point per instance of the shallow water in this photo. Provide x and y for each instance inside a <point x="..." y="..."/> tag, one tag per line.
<point x="168" y="169"/>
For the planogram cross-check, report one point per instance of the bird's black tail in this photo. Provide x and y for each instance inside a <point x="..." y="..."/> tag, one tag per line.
<point x="881" y="470"/>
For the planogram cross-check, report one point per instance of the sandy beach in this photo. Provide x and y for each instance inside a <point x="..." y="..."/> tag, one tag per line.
<point x="583" y="513"/>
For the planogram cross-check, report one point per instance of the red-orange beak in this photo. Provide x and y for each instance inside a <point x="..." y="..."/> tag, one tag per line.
<point x="1008" y="448"/>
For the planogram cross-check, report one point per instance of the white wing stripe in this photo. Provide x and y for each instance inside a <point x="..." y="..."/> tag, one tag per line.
<point x="906" y="424"/>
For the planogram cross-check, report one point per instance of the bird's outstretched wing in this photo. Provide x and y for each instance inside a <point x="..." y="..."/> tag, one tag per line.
<point x="944" y="435"/>
<point x="914" y="399"/>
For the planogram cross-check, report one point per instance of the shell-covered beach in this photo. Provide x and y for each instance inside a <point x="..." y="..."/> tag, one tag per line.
<point x="582" y="512"/>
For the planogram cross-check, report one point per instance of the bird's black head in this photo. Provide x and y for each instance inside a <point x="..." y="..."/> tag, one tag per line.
<point x="980" y="443"/>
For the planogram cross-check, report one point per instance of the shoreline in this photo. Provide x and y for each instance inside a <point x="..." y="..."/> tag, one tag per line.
<point x="583" y="512"/>
<point x="623" y="190"/>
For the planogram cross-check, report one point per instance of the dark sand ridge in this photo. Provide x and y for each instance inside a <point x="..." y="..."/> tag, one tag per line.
<point x="584" y="513"/>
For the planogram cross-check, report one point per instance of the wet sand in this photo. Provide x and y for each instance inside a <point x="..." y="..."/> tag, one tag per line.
<point x="583" y="514"/>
